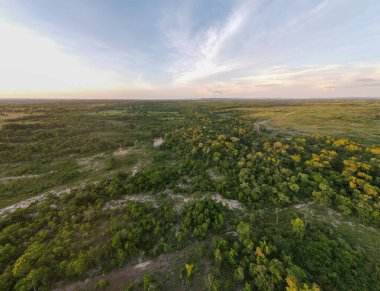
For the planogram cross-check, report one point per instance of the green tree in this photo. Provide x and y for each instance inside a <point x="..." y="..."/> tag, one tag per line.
<point x="298" y="226"/>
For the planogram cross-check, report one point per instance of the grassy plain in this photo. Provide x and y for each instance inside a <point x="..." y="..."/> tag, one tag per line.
<point x="358" y="120"/>
<point x="54" y="146"/>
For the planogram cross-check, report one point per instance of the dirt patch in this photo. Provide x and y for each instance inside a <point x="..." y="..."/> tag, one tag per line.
<point x="300" y="206"/>
<point x="136" y="168"/>
<point x="142" y="265"/>
<point x="214" y="176"/>
<point x="142" y="162"/>
<point x="122" y="151"/>
<point x="230" y="203"/>
<point x="184" y="184"/>
<point x="114" y="204"/>
<point x="329" y="215"/>
<point x="130" y="273"/>
<point x="180" y="200"/>
<point x="93" y="163"/>
<point x="158" y="141"/>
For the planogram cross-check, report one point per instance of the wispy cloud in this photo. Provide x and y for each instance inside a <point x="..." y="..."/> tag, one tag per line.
<point x="284" y="75"/>
<point x="315" y="79"/>
<point x="196" y="54"/>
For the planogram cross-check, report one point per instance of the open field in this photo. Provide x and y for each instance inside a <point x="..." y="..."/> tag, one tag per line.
<point x="358" y="120"/>
<point x="59" y="145"/>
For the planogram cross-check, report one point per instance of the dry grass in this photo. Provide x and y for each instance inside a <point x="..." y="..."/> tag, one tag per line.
<point x="358" y="120"/>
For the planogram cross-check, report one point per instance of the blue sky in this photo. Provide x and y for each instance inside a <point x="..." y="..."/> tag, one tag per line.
<point x="189" y="49"/>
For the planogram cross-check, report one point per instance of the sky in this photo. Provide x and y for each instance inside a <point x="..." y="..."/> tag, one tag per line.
<point x="163" y="49"/>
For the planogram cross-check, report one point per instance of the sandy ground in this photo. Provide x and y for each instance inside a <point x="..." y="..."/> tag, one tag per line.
<point x="130" y="273"/>
<point x="36" y="199"/>
<point x="122" y="202"/>
<point x="92" y="162"/>
<point x="214" y="176"/>
<point x="329" y="215"/>
<point x="180" y="200"/>
<point x="122" y="151"/>
<point x="39" y="198"/>
<point x="158" y="141"/>
<point x="230" y="203"/>
<point x="12" y="178"/>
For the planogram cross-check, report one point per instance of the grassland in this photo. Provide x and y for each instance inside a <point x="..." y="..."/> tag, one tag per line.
<point x="60" y="145"/>
<point x="358" y="120"/>
<point x="215" y="207"/>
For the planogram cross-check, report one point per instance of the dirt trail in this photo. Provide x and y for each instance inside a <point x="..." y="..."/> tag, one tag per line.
<point x="277" y="117"/>
<point x="59" y="191"/>
<point x="12" y="178"/>
<point x="179" y="200"/>
<point x="123" y="151"/>
<point x="39" y="198"/>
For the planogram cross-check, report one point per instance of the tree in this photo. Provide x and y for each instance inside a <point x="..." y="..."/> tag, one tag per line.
<point x="298" y="226"/>
<point x="243" y="230"/>
<point x="239" y="273"/>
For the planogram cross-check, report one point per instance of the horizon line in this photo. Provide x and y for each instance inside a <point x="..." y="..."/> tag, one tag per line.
<point x="58" y="99"/>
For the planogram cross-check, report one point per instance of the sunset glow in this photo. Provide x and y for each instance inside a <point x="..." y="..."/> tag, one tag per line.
<point x="168" y="49"/>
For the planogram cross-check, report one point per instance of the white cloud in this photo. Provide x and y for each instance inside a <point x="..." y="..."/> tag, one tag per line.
<point x="31" y="63"/>
<point x="332" y="75"/>
<point x="197" y="55"/>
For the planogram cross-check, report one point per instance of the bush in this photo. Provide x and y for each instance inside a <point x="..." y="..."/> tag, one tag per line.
<point x="103" y="283"/>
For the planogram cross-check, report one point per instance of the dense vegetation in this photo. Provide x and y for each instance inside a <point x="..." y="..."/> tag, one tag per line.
<point x="261" y="169"/>
<point x="282" y="260"/>
<point x="221" y="195"/>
